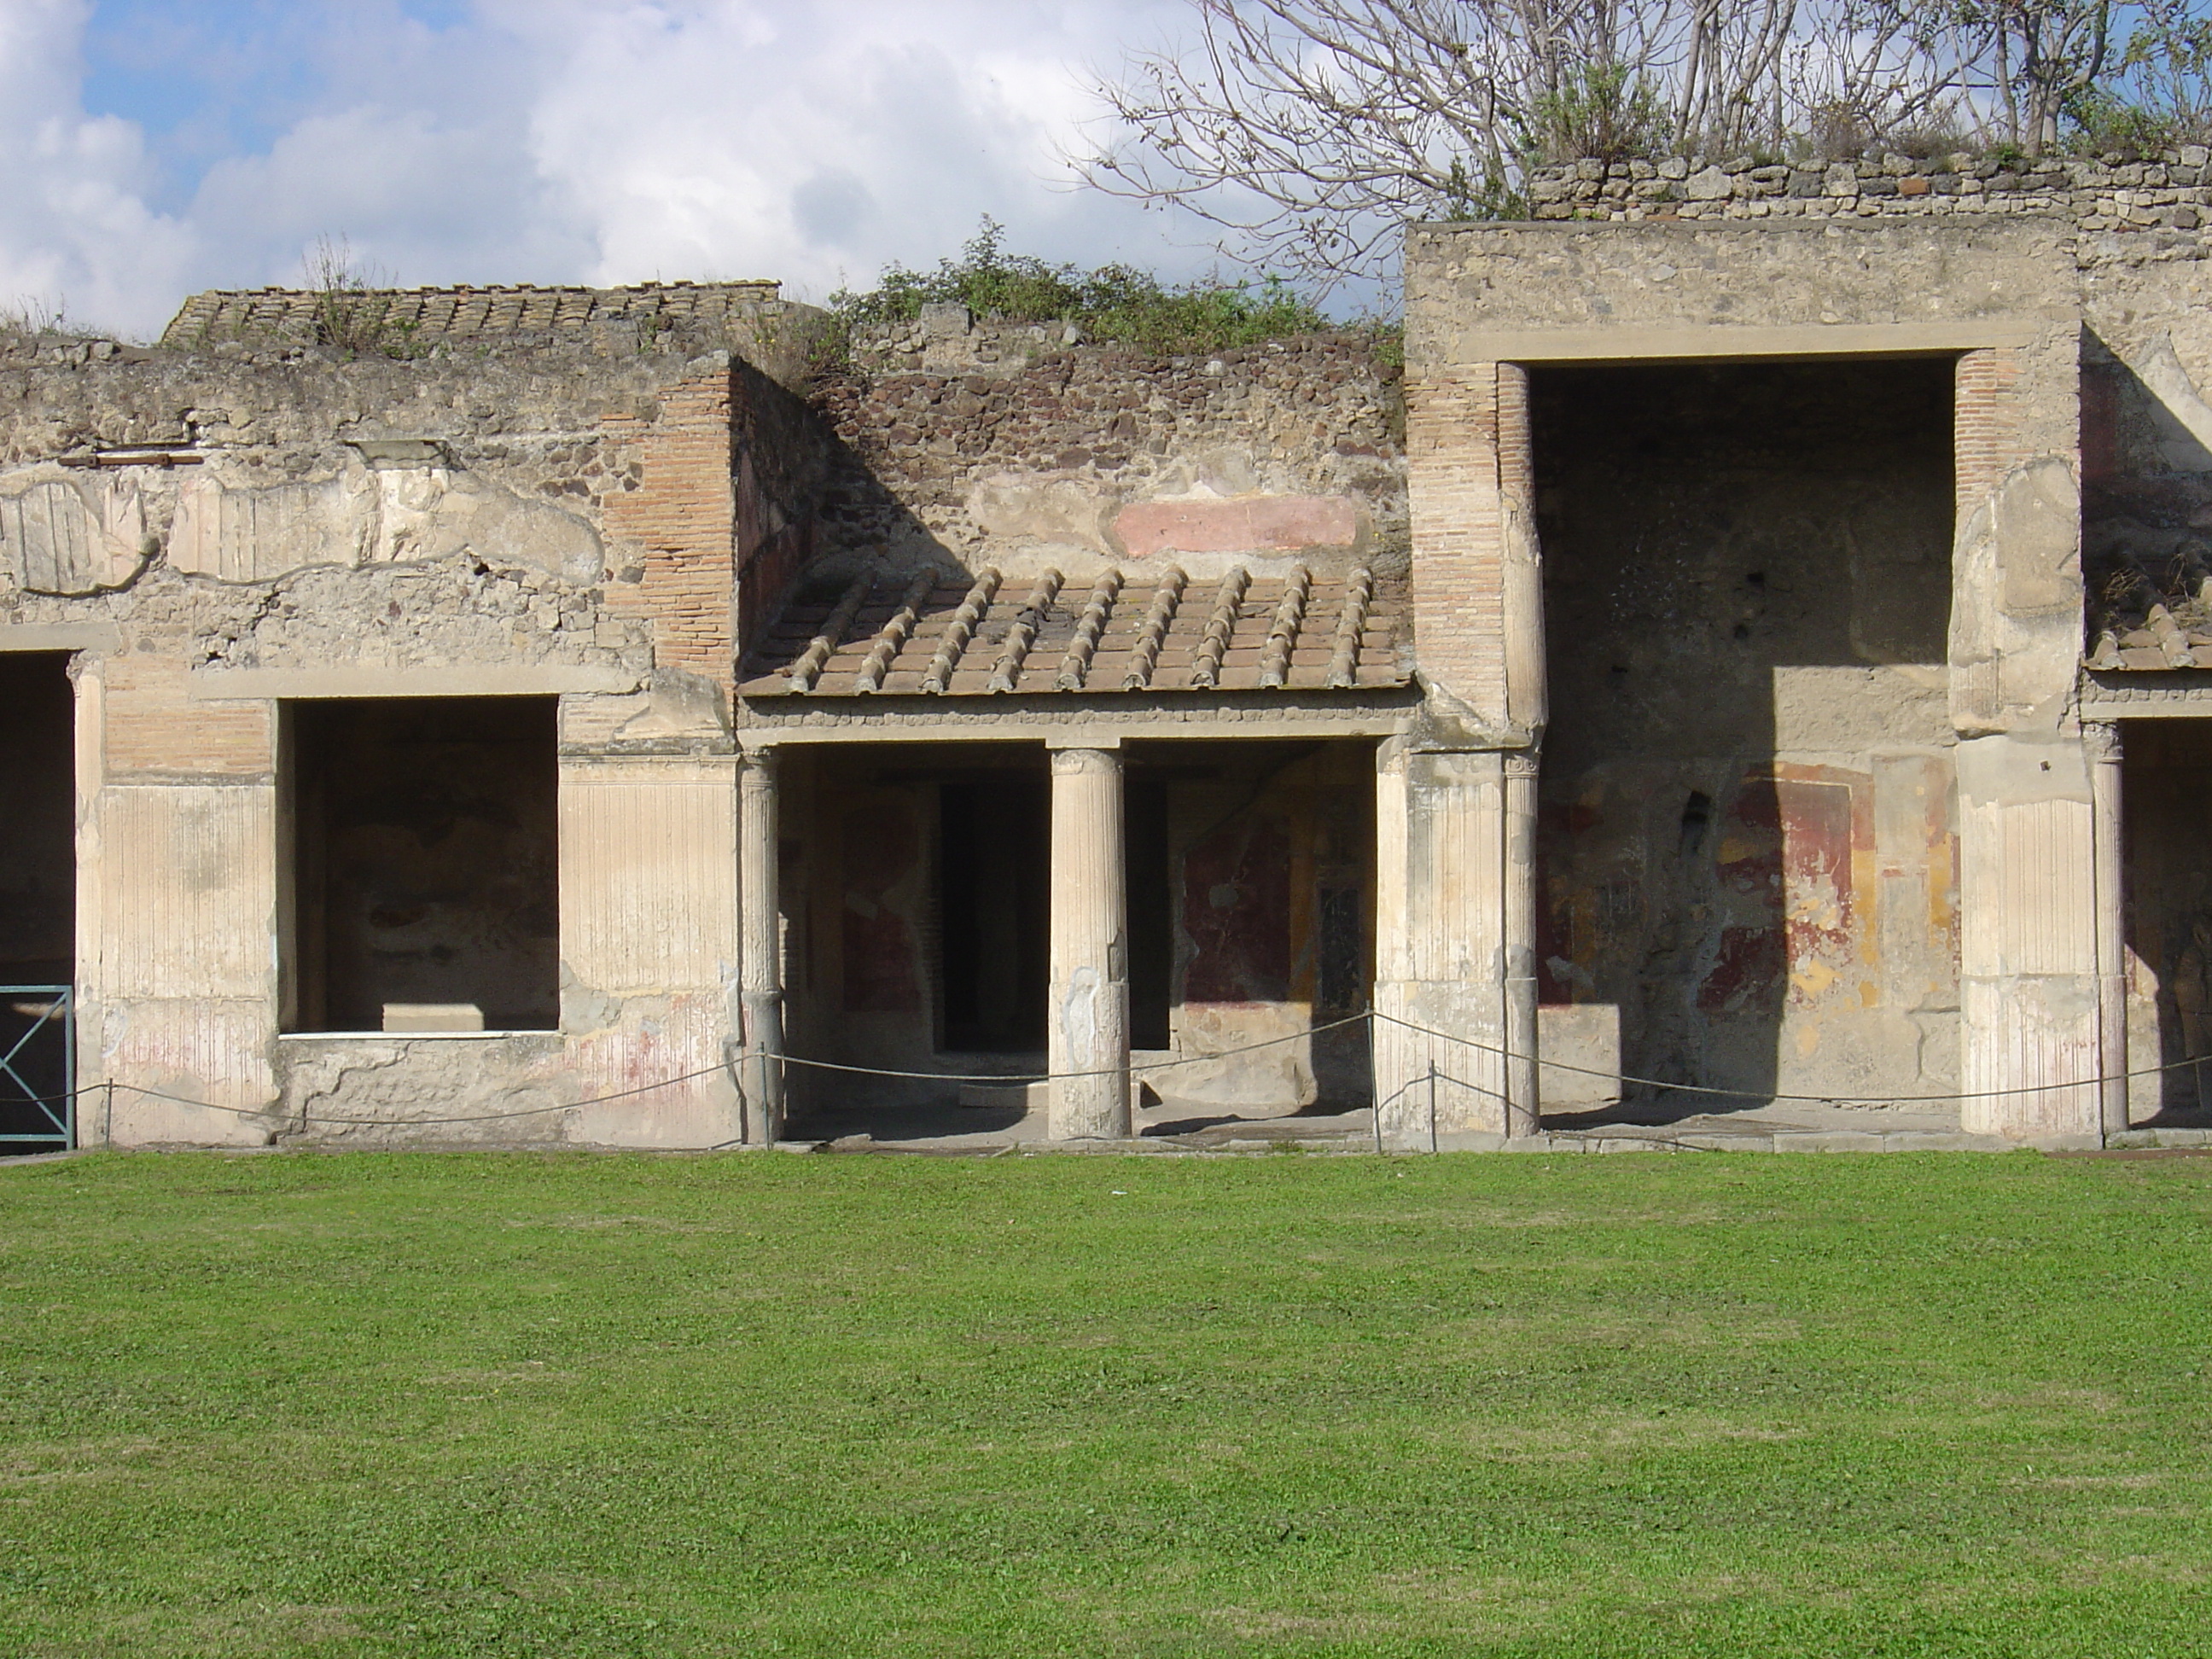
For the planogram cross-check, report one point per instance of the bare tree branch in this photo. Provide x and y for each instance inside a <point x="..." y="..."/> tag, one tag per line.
<point x="1305" y="131"/>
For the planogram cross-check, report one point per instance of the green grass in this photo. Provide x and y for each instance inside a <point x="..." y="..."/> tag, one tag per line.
<point x="576" y="1405"/>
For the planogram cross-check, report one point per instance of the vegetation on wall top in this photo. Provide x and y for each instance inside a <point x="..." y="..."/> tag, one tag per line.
<point x="1113" y="303"/>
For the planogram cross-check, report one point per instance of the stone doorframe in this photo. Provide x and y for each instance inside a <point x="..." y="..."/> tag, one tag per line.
<point x="2035" y="1042"/>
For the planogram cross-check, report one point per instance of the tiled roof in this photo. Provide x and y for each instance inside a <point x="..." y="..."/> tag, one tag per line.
<point x="428" y="314"/>
<point x="2150" y="605"/>
<point x="948" y="634"/>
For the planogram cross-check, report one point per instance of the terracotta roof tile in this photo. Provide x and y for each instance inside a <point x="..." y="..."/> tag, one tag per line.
<point x="952" y="635"/>
<point x="430" y="314"/>
<point x="2150" y="599"/>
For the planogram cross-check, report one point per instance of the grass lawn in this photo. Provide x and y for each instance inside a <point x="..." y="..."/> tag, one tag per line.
<point x="581" y="1405"/>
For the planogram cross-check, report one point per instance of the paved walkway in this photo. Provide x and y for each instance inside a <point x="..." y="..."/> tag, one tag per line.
<point x="1653" y="1126"/>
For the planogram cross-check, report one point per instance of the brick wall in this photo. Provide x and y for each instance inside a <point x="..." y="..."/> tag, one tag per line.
<point x="1453" y="459"/>
<point x="1988" y="438"/>
<point x="154" y="727"/>
<point x="683" y="519"/>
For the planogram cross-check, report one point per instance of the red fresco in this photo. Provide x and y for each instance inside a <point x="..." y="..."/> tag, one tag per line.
<point x="1236" y="913"/>
<point x="1246" y="525"/>
<point x="1816" y="870"/>
<point x="880" y="850"/>
<point x="1785" y="848"/>
<point x="1750" y="964"/>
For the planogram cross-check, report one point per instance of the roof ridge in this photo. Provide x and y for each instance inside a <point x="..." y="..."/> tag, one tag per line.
<point x="436" y="312"/>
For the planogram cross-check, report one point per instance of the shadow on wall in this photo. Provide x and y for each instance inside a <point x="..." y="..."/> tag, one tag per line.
<point x="2165" y="782"/>
<point x="1745" y="841"/>
<point x="2147" y="510"/>
<point x="2147" y="488"/>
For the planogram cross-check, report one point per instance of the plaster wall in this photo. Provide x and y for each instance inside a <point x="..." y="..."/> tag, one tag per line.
<point x="1746" y="844"/>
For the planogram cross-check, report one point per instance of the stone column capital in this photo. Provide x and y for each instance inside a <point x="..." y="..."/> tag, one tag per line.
<point x="2101" y="741"/>
<point x="1067" y="763"/>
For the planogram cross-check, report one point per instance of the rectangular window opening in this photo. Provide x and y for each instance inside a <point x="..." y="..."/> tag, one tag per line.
<point x="421" y="865"/>
<point x="37" y="893"/>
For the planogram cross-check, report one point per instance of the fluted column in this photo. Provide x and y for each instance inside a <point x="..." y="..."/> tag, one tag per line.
<point x="2102" y="741"/>
<point x="1089" y="1040"/>
<point x="760" y="956"/>
<point x="1523" y="1115"/>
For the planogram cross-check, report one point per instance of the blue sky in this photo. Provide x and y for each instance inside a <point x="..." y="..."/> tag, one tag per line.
<point x="148" y="148"/>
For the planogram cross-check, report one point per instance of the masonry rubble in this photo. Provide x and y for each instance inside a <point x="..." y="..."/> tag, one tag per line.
<point x="1755" y="644"/>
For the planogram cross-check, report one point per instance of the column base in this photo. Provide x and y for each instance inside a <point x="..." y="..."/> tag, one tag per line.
<point x="1090" y="1088"/>
<point x="1452" y="1083"/>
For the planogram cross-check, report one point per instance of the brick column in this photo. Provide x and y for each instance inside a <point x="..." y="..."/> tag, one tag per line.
<point x="1459" y="566"/>
<point x="1089" y="1036"/>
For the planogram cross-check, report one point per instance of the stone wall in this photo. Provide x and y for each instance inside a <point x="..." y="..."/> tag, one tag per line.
<point x="2169" y="192"/>
<point x="2001" y="301"/>
<point x="217" y="528"/>
<point x="986" y="442"/>
<point x="561" y="494"/>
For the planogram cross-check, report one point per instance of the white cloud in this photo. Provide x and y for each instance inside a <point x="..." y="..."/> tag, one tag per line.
<point x="75" y="229"/>
<point x="598" y="140"/>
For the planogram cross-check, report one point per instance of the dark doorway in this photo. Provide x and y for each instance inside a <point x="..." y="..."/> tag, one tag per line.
<point x="1747" y="595"/>
<point x="2165" y="782"/>
<point x="424" y="860"/>
<point x="38" y="892"/>
<point x="1151" y="910"/>
<point x="993" y="911"/>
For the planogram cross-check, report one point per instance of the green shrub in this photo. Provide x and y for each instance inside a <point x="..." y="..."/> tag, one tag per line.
<point x="1114" y="303"/>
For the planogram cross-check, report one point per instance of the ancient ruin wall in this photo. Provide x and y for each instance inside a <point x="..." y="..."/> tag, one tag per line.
<point x="2170" y="192"/>
<point x="1999" y="300"/>
<point x="981" y="442"/>
<point x="219" y="528"/>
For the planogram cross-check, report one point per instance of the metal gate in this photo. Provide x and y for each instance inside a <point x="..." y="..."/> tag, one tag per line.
<point x="38" y="1067"/>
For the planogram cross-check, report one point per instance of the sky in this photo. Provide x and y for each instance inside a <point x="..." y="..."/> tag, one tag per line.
<point x="152" y="148"/>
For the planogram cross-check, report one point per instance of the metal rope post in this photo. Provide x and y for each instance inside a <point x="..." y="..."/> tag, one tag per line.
<point x="1432" y="1103"/>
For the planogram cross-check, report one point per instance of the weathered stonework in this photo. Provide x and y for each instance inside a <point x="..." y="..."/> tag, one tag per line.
<point x="998" y="443"/>
<point x="1684" y="667"/>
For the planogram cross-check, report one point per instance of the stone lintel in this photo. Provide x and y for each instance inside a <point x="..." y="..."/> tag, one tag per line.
<point x="2170" y="694"/>
<point x="1629" y="344"/>
<point x="532" y="680"/>
<point x="1062" y="722"/>
<point x="62" y="636"/>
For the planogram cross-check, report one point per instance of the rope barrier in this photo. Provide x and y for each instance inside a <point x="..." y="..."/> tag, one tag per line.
<point x="1146" y="1068"/>
<point x="1135" y="1068"/>
<point x="1811" y="1100"/>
